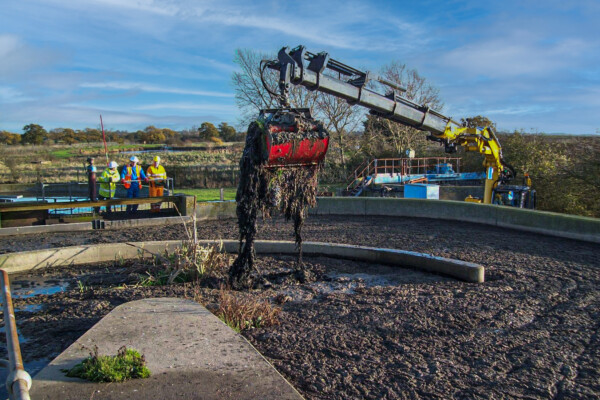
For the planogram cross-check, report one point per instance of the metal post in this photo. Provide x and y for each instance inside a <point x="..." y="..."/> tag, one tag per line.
<point x="18" y="382"/>
<point x="221" y="194"/>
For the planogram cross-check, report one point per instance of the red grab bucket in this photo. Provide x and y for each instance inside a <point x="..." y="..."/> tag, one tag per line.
<point x="293" y="138"/>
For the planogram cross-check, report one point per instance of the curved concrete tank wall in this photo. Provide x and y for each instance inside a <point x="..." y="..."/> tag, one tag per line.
<point x="548" y="223"/>
<point x="78" y="255"/>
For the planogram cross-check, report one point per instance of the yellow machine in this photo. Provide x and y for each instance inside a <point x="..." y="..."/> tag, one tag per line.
<point x="301" y="67"/>
<point x="485" y="142"/>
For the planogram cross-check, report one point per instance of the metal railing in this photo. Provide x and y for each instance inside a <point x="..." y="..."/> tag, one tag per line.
<point x="397" y="166"/>
<point x="78" y="190"/>
<point x="18" y="382"/>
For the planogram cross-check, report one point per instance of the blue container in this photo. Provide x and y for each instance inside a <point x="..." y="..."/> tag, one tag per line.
<point x="422" y="191"/>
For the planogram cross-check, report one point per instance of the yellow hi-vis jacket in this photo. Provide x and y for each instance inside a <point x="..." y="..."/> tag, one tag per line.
<point x="157" y="175"/>
<point x="108" y="181"/>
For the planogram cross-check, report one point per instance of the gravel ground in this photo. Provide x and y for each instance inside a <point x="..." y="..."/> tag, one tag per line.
<point x="529" y="331"/>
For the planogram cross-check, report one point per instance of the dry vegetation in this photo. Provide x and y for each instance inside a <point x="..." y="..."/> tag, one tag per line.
<point x="204" y="267"/>
<point x="241" y="312"/>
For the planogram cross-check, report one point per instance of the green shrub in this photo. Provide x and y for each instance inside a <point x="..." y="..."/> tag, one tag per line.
<point x="127" y="364"/>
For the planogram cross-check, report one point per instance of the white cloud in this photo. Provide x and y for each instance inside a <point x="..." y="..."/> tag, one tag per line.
<point x="8" y="44"/>
<point x="16" y="57"/>
<point x="515" y="55"/>
<point x="221" y="108"/>
<point x="346" y="25"/>
<point x="144" y="87"/>
<point x="150" y="6"/>
<point x="11" y="95"/>
<point x="516" y="110"/>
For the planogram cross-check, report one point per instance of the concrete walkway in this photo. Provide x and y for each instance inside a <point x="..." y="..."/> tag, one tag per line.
<point x="190" y="353"/>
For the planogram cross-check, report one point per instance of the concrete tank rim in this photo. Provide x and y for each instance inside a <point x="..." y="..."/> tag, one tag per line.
<point x="21" y="262"/>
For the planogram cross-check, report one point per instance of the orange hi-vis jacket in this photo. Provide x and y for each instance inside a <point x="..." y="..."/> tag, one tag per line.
<point x="128" y="176"/>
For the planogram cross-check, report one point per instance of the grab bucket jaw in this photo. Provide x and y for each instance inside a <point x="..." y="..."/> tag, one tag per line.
<point x="293" y="138"/>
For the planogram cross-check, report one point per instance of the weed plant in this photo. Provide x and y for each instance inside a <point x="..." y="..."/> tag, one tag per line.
<point x="190" y="262"/>
<point x="127" y="364"/>
<point x="242" y="313"/>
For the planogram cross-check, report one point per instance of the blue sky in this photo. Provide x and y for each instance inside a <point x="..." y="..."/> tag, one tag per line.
<point x="525" y="64"/>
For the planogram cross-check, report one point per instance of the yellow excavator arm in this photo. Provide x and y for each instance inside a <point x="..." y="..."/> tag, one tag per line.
<point x="483" y="141"/>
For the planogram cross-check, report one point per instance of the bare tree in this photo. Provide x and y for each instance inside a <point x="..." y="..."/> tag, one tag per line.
<point x="251" y="95"/>
<point x="339" y="118"/>
<point x="401" y="137"/>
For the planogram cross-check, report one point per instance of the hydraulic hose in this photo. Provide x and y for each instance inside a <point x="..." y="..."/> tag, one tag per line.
<point x="264" y="64"/>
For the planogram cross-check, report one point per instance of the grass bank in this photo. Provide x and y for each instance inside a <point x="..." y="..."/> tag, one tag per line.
<point x="209" y="194"/>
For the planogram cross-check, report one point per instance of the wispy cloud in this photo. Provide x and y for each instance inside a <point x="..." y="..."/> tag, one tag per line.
<point x="150" y="6"/>
<point x="221" y="108"/>
<point x="80" y="117"/>
<point x="523" y="110"/>
<point x="516" y="55"/>
<point x="9" y="94"/>
<point x="331" y="24"/>
<point x="144" y="59"/>
<point x="144" y="87"/>
<point x="17" y="58"/>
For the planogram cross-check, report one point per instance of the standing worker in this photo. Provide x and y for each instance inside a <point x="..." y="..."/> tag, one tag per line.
<point x="131" y="177"/>
<point x="527" y="179"/>
<point x="108" y="184"/>
<point x="158" y="177"/>
<point x="91" y="175"/>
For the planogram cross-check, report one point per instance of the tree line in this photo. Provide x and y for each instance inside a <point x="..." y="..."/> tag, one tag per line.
<point x="207" y="132"/>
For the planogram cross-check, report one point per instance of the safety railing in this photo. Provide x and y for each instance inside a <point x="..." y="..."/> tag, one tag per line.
<point x="18" y="382"/>
<point x="78" y="190"/>
<point x="398" y="166"/>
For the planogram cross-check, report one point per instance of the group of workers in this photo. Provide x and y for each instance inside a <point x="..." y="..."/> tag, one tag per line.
<point x="132" y="175"/>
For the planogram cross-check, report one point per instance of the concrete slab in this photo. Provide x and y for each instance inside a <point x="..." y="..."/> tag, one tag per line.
<point x="190" y="353"/>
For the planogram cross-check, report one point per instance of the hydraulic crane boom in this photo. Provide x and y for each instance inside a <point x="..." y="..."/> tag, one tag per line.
<point x="301" y="67"/>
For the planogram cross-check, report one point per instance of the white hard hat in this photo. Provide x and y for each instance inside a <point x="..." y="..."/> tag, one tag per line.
<point x="134" y="159"/>
<point x="112" y="164"/>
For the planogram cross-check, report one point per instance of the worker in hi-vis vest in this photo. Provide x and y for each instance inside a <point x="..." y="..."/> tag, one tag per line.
<point x="108" y="184"/>
<point x="158" y="178"/>
<point x="131" y="178"/>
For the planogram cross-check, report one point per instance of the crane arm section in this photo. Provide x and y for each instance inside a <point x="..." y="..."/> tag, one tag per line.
<point x="301" y="67"/>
